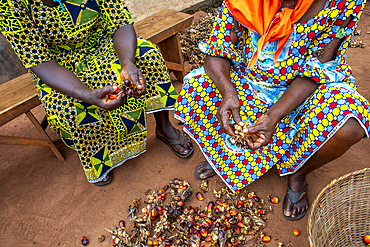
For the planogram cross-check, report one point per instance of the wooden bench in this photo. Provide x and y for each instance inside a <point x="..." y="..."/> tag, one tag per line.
<point x="19" y="95"/>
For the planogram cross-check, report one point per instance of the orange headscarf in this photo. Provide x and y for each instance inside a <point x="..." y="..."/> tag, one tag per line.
<point x="268" y="20"/>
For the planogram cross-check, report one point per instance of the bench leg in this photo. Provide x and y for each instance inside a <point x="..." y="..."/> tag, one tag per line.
<point x="171" y="51"/>
<point x="45" y="136"/>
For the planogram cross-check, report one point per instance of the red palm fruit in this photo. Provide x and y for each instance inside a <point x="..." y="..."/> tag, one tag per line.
<point x="154" y="213"/>
<point x="296" y="233"/>
<point x="116" y="241"/>
<point x="240" y="217"/>
<point x="238" y="230"/>
<point x="217" y="224"/>
<point x="228" y="243"/>
<point x="210" y="206"/>
<point x="241" y="225"/>
<point x="256" y="198"/>
<point x="233" y="212"/>
<point x="218" y="202"/>
<point x="250" y="195"/>
<point x="203" y="232"/>
<point x="274" y="199"/>
<point x="147" y="233"/>
<point x="112" y="97"/>
<point x="228" y="225"/>
<point x="159" y="208"/>
<point x="121" y="224"/>
<point x="181" y="203"/>
<point x="150" y="242"/>
<point x="185" y="210"/>
<point x="207" y="223"/>
<point x="84" y="240"/>
<point x="260" y="211"/>
<point x="196" y="218"/>
<point x="266" y="239"/>
<point x="217" y="209"/>
<point x="127" y="83"/>
<point x="155" y="242"/>
<point x="366" y="239"/>
<point x="239" y="205"/>
<point x="191" y="210"/>
<point x="202" y="214"/>
<point x="200" y="196"/>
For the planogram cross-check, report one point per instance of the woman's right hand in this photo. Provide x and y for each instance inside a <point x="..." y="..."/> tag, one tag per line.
<point x="100" y="97"/>
<point x="230" y="105"/>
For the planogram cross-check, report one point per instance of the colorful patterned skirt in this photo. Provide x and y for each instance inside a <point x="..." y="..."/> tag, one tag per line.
<point x="106" y="139"/>
<point x="297" y="137"/>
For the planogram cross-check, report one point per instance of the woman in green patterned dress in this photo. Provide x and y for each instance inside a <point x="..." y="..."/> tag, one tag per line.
<point x="76" y="51"/>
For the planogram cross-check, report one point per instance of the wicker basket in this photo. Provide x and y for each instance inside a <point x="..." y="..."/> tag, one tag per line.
<point x="340" y="215"/>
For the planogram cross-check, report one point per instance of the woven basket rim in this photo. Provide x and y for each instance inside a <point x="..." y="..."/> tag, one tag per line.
<point x="314" y="204"/>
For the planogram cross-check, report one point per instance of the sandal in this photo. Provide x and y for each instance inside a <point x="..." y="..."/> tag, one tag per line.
<point x="106" y="180"/>
<point x="171" y="142"/>
<point x="294" y="197"/>
<point x="197" y="174"/>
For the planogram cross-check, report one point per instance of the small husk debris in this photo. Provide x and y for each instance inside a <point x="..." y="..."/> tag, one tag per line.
<point x="232" y="219"/>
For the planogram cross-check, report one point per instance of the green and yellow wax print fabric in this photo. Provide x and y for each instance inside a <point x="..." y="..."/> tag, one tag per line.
<point x="80" y="38"/>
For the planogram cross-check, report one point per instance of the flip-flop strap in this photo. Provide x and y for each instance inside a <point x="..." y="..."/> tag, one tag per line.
<point x="295" y="197"/>
<point x="179" y="141"/>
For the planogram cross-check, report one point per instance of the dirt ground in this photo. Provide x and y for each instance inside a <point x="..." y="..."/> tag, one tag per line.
<point x="46" y="203"/>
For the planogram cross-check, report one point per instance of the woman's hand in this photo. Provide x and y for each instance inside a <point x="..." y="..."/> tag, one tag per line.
<point x="230" y="105"/>
<point x="131" y="72"/>
<point x="261" y="133"/>
<point x="100" y="97"/>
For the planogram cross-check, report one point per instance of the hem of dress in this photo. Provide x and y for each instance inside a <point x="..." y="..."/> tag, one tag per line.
<point x="205" y="156"/>
<point x="161" y="109"/>
<point x="117" y="165"/>
<point x="336" y="128"/>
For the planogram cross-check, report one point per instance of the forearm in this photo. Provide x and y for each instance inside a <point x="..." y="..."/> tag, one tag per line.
<point x="62" y="80"/>
<point x="125" y="44"/>
<point x="299" y="90"/>
<point x="218" y="69"/>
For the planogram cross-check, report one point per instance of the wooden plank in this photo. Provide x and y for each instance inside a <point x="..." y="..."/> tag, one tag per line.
<point x="18" y="96"/>
<point x="171" y="51"/>
<point x="174" y="66"/>
<point x="12" y="140"/>
<point x="162" y="25"/>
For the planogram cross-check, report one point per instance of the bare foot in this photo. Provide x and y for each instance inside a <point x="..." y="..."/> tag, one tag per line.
<point x="296" y="183"/>
<point x="204" y="170"/>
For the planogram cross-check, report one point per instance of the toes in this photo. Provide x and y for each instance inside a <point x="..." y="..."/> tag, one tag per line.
<point x="207" y="173"/>
<point x="288" y="208"/>
<point x="188" y="144"/>
<point x="203" y="167"/>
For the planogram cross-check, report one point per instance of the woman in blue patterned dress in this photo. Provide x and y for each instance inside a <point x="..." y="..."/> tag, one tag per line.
<point x="279" y="66"/>
<point x="77" y="50"/>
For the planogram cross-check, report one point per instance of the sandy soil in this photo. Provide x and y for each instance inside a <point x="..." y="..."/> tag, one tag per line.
<point x="46" y="203"/>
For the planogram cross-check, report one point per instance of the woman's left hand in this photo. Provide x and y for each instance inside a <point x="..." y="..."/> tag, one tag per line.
<point x="261" y="133"/>
<point x="131" y="72"/>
